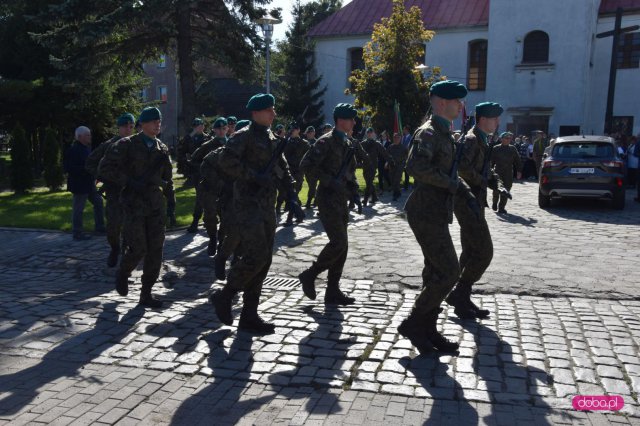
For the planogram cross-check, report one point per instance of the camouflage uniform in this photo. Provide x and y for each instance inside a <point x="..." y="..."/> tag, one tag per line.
<point x="477" y="247"/>
<point x="324" y="162"/>
<point x="112" y="195"/>
<point x="244" y="158"/>
<point x="504" y="158"/>
<point x="428" y="210"/>
<point x="399" y="153"/>
<point x="294" y="150"/>
<point x="375" y="151"/>
<point x="186" y="147"/>
<point x="145" y="174"/>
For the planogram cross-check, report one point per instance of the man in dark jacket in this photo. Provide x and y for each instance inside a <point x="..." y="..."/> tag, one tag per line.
<point x="82" y="184"/>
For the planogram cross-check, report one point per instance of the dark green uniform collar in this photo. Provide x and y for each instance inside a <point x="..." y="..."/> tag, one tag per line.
<point x="482" y="135"/>
<point x="149" y="141"/>
<point x="258" y="127"/>
<point x="445" y="125"/>
<point x="340" y="135"/>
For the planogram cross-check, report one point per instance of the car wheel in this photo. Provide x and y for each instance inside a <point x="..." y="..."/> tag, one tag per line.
<point x="544" y="201"/>
<point x="618" y="200"/>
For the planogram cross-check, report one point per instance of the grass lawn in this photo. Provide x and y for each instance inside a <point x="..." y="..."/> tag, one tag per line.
<point x="42" y="209"/>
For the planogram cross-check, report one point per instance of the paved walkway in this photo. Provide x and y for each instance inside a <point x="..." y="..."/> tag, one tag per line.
<point x="562" y="286"/>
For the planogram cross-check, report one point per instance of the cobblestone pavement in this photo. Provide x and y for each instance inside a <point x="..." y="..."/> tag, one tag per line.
<point x="74" y="352"/>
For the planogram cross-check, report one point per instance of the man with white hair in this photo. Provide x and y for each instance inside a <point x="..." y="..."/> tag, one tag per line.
<point x="82" y="184"/>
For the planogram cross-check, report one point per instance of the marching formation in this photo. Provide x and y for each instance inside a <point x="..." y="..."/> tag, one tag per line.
<point x="245" y="173"/>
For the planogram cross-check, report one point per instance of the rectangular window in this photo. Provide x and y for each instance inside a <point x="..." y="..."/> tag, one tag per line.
<point x="143" y="95"/>
<point x="161" y="93"/>
<point x="477" y="72"/>
<point x="356" y="62"/>
<point x="629" y="50"/>
<point x="162" y="63"/>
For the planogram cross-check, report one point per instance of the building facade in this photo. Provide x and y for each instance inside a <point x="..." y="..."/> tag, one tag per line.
<point x="541" y="60"/>
<point x="165" y="89"/>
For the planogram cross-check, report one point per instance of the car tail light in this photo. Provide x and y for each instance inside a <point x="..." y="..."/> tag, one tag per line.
<point x="551" y="163"/>
<point x="613" y="163"/>
<point x="619" y="182"/>
<point x="545" y="179"/>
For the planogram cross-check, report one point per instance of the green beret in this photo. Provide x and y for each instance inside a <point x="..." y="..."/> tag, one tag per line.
<point x="279" y="127"/>
<point x="448" y="89"/>
<point x="294" y="125"/>
<point x="242" y="123"/>
<point x="310" y="129"/>
<point x="327" y="126"/>
<point x="231" y="119"/>
<point x="345" y="111"/>
<point x="506" y="135"/>
<point x="220" y="122"/>
<point x="125" y="119"/>
<point x="489" y="110"/>
<point x="261" y="101"/>
<point x="197" y="122"/>
<point x="369" y="129"/>
<point x="150" y="114"/>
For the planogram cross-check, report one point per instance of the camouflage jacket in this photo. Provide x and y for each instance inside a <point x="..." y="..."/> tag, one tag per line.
<point x="399" y="153"/>
<point x="294" y="151"/>
<point x="93" y="161"/>
<point x="504" y="157"/>
<point x="374" y="150"/>
<point x="247" y="155"/>
<point x="476" y="152"/>
<point x="129" y="159"/>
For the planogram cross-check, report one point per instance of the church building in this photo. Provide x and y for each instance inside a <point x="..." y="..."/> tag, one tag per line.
<point x="540" y="59"/>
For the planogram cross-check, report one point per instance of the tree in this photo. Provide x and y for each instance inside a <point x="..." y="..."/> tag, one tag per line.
<point x="53" y="173"/>
<point x="21" y="173"/>
<point x="299" y="90"/>
<point x="92" y="33"/>
<point x="397" y="46"/>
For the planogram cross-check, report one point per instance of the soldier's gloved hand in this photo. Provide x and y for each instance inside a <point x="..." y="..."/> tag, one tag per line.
<point x="506" y="193"/>
<point x="473" y="205"/>
<point x="136" y="184"/>
<point x="453" y="186"/>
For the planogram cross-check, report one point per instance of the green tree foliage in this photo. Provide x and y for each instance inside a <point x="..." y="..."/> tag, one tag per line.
<point x="53" y="173"/>
<point x="21" y="172"/>
<point x="91" y="34"/>
<point x="297" y="87"/>
<point x="397" y="46"/>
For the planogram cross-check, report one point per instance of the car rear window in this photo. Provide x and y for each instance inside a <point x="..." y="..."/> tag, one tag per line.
<point x="583" y="150"/>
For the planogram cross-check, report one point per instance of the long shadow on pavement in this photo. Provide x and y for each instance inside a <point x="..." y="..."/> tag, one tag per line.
<point x="66" y="359"/>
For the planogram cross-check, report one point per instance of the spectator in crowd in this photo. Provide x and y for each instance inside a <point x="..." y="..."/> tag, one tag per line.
<point x="406" y="141"/>
<point x="383" y="173"/>
<point x="82" y="184"/>
<point x="633" y="152"/>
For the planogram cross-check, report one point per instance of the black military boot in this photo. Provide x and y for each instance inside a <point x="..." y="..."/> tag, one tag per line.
<point x="494" y="206"/>
<point x="413" y="329"/>
<point x="366" y="200"/>
<point x="212" y="246"/>
<point x="250" y="320"/>
<point x="219" y="266"/>
<point x="308" y="205"/>
<point x="334" y="296"/>
<point x="479" y="313"/>
<point x="147" y="299"/>
<point x="279" y="207"/>
<point x="438" y="341"/>
<point x="308" y="280"/>
<point x="112" y="260"/>
<point x="458" y="299"/>
<point x="193" y="228"/>
<point x="222" y="301"/>
<point x="374" y="198"/>
<point x="122" y="283"/>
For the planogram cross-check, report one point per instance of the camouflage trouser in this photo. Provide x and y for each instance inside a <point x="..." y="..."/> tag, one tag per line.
<point x="313" y="185"/>
<point x="477" y="248"/>
<point x="209" y="203"/>
<point x="248" y="273"/>
<point x="369" y="174"/>
<point x="501" y="199"/>
<point x="144" y="240"/>
<point x="441" y="268"/>
<point x="115" y="217"/>
<point x="334" y="215"/>
<point x="197" y="207"/>
<point x="396" y="178"/>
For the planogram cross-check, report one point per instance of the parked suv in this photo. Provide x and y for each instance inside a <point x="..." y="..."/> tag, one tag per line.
<point x="585" y="167"/>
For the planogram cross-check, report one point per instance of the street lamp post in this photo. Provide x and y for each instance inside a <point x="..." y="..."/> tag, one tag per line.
<point x="266" y="24"/>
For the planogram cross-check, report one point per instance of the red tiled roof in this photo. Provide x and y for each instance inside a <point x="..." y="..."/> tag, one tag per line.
<point x="610" y="6"/>
<point x="359" y="16"/>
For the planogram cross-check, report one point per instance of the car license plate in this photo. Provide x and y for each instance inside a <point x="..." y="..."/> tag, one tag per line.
<point x="582" y="170"/>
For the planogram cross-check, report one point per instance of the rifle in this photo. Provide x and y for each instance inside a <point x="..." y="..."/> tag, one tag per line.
<point x="453" y="174"/>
